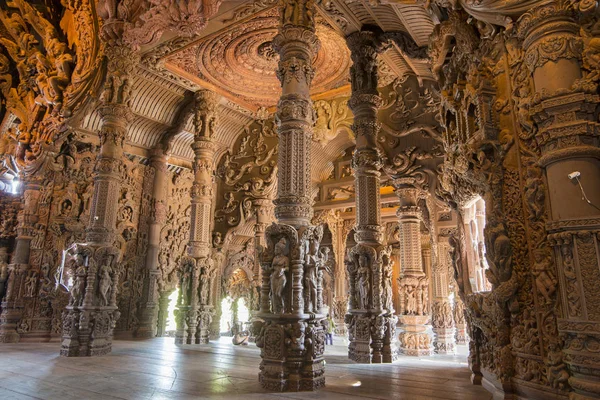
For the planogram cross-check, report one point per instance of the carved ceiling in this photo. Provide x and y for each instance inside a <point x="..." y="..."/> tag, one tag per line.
<point x="239" y="62"/>
<point x="232" y="55"/>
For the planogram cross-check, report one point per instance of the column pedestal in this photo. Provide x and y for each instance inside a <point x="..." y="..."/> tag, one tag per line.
<point x="415" y="338"/>
<point x="443" y="327"/>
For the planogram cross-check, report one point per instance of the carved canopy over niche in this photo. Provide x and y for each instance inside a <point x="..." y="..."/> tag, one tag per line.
<point x="239" y="62"/>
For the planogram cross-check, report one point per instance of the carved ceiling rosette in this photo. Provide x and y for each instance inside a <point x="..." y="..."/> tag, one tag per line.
<point x="239" y="61"/>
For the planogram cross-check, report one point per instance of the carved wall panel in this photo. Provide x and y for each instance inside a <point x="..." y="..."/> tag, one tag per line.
<point x="246" y="175"/>
<point x="175" y="231"/>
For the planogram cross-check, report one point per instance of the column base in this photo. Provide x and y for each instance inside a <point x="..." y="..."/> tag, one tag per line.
<point x="9" y="321"/>
<point x="372" y="338"/>
<point x="88" y="333"/>
<point x="204" y="321"/>
<point x="416" y="338"/>
<point x="292" y="354"/>
<point x="147" y="326"/>
<point x="444" y="341"/>
<point x="461" y="336"/>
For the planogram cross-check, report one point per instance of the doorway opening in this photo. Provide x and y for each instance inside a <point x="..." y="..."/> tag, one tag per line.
<point x="171" y="325"/>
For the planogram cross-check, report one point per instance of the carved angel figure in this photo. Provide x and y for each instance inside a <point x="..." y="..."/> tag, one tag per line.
<point x="280" y="265"/>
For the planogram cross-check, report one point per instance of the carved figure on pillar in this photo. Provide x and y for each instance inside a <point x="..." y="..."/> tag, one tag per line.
<point x="280" y="267"/>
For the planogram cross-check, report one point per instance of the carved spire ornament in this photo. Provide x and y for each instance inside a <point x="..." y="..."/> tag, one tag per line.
<point x="292" y="337"/>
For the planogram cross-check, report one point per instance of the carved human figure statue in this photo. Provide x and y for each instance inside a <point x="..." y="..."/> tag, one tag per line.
<point x="204" y="280"/>
<point x="105" y="284"/>
<point x="30" y="284"/>
<point x="411" y="300"/>
<point x="310" y="277"/>
<point x="279" y="266"/>
<point x="310" y="284"/>
<point x="185" y="286"/>
<point x="364" y="285"/>
<point x="78" y="289"/>
<point x="425" y="296"/>
<point x="543" y="280"/>
<point x="387" y="284"/>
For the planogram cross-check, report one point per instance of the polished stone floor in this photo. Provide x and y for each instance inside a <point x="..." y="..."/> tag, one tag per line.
<point x="157" y="369"/>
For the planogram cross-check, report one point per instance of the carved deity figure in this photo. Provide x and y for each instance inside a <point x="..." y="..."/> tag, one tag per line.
<point x="204" y="280"/>
<point x="30" y="284"/>
<point x="534" y="191"/>
<point x="65" y="208"/>
<point x="78" y="289"/>
<point x="298" y="12"/>
<point x="557" y="374"/>
<point x="185" y="286"/>
<point x="544" y="282"/>
<point x="105" y="284"/>
<point x="310" y="277"/>
<point x="364" y="284"/>
<point x="411" y="300"/>
<point x="279" y="266"/>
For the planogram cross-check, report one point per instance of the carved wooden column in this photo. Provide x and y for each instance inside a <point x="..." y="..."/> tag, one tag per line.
<point x="458" y="314"/>
<point x="565" y="110"/>
<point x="196" y="310"/>
<point x="371" y="320"/>
<point x="92" y="312"/>
<point x="147" y="326"/>
<point x="292" y="337"/>
<point x="415" y="339"/>
<point x="12" y="304"/>
<point x="442" y="319"/>
<point x="163" y="313"/>
<point x="340" y="299"/>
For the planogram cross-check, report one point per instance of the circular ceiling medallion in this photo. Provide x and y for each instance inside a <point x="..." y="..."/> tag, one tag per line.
<point x="240" y="61"/>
